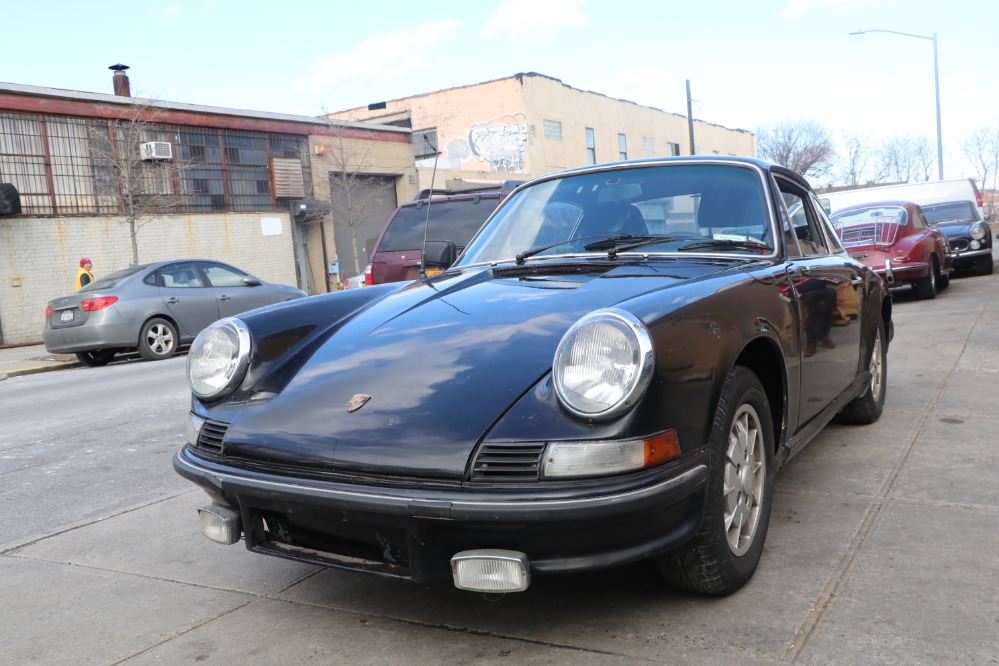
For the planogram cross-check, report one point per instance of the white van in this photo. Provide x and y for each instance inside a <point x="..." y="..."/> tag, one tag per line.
<point x="952" y="206"/>
<point x="930" y="192"/>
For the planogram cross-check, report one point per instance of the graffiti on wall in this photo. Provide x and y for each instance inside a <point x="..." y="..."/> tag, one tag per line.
<point x="502" y="142"/>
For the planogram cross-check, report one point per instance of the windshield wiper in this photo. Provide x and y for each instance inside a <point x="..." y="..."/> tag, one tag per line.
<point x="720" y="242"/>
<point x="624" y="243"/>
<point x="530" y="253"/>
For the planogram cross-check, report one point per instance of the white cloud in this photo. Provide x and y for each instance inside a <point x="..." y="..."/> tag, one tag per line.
<point x="381" y="57"/>
<point x="795" y="8"/>
<point x="525" y="20"/>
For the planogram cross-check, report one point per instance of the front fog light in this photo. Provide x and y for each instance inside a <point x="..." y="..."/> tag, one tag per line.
<point x="975" y="244"/>
<point x="491" y="571"/>
<point x="220" y="524"/>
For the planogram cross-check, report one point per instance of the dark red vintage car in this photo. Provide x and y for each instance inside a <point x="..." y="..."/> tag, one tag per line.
<point x="895" y="239"/>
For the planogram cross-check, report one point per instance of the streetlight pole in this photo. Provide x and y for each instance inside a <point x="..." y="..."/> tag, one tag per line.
<point x="936" y="83"/>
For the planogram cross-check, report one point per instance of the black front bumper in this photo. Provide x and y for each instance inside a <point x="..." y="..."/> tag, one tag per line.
<point x="413" y="532"/>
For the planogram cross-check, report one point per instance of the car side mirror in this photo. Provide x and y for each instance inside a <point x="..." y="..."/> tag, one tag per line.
<point x="10" y="200"/>
<point x="251" y="281"/>
<point x="438" y="256"/>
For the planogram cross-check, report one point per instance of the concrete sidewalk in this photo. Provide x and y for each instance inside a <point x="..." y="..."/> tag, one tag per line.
<point x="17" y="360"/>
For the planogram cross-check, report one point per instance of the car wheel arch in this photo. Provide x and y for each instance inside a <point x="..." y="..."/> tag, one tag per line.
<point x="763" y="357"/>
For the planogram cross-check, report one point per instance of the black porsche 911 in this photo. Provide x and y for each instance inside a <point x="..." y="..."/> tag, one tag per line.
<point x="613" y="370"/>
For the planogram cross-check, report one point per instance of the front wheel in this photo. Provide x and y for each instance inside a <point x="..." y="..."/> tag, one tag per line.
<point x="867" y="408"/>
<point x="158" y="340"/>
<point x="95" y="357"/>
<point x="724" y="553"/>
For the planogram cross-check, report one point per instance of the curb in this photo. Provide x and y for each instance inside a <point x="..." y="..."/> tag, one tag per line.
<point x="37" y="370"/>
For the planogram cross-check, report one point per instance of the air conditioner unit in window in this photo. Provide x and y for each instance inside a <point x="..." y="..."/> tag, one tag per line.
<point x="156" y="150"/>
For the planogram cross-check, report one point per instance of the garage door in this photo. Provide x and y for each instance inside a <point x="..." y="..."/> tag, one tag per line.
<point x="363" y="204"/>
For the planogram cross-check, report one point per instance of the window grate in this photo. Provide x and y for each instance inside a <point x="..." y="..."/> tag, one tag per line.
<point x="553" y="130"/>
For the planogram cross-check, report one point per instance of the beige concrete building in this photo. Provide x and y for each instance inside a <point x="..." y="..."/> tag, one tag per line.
<point x="262" y="191"/>
<point x="528" y="125"/>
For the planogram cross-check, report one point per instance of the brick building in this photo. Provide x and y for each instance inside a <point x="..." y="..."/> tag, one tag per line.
<point x="262" y="191"/>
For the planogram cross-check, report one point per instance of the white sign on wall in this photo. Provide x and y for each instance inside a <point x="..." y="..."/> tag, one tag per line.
<point x="270" y="226"/>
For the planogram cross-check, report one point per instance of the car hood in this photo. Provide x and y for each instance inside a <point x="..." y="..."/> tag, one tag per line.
<point x="954" y="227"/>
<point x="430" y="368"/>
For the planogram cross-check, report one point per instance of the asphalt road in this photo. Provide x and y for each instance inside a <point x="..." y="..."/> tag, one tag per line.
<point x="882" y="548"/>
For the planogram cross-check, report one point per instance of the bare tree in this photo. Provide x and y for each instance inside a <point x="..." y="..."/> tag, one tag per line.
<point x="902" y="159"/>
<point x="138" y="187"/>
<point x="803" y="146"/>
<point x="856" y="159"/>
<point x="981" y="148"/>
<point x="350" y="180"/>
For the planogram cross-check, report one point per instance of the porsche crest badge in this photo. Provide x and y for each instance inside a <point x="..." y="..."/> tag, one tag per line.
<point x="357" y="402"/>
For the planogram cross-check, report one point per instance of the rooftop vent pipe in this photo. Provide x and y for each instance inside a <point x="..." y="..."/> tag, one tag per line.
<point x="120" y="81"/>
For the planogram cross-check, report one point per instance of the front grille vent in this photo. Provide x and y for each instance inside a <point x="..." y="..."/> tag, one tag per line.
<point x="959" y="245"/>
<point x="211" y="436"/>
<point x="508" y="462"/>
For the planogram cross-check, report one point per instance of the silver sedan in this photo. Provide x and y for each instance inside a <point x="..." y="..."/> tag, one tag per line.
<point x="153" y="308"/>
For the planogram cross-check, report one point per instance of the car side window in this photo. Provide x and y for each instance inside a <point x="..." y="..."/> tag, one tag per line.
<point x="182" y="274"/>
<point x="832" y="238"/>
<point x="808" y="228"/>
<point x="223" y="276"/>
<point x="787" y="231"/>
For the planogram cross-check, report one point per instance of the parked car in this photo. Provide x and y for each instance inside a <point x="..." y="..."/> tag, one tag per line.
<point x="923" y="193"/>
<point x="895" y="239"/>
<point x="450" y="215"/>
<point x="598" y="380"/>
<point x="153" y="308"/>
<point x="969" y="236"/>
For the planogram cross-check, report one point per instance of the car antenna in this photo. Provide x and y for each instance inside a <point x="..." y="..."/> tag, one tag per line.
<point x="430" y="198"/>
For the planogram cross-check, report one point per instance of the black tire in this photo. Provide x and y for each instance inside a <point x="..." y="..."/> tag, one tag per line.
<point x="157" y="340"/>
<point x="96" y="357"/>
<point x="719" y="560"/>
<point x="926" y="287"/>
<point x="867" y="408"/>
<point x="985" y="266"/>
<point x="943" y="281"/>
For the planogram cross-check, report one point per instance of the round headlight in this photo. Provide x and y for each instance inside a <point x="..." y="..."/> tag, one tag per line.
<point x="603" y="364"/>
<point x="218" y="358"/>
<point x="977" y="231"/>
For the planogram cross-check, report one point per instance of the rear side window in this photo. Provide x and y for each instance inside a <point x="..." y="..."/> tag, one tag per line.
<point x="455" y="221"/>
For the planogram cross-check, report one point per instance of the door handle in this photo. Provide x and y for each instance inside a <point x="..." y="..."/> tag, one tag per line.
<point x="804" y="270"/>
<point x="858" y="279"/>
<point x="223" y="297"/>
<point x="173" y="300"/>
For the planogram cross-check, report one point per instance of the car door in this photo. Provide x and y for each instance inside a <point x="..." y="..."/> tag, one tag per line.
<point x="188" y="299"/>
<point x="233" y="293"/>
<point x="827" y="291"/>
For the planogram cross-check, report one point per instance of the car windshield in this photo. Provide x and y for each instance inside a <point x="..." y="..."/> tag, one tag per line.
<point x="112" y="279"/>
<point x="454" y="220"/>
<point x="955" y="211"/>
<point x="662" y="208"/>
<point x="877" y="224"/>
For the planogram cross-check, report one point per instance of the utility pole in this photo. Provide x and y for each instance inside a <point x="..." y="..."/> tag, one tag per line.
<point x="690" y="118"/>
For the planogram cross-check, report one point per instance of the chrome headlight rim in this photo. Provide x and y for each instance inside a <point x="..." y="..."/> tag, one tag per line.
<point x="236" y="366"/>
<point x="977" y="232"/>
<point x="645" y="352"/>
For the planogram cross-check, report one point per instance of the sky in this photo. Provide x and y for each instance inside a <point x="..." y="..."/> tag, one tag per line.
<point x="750" y="63"/>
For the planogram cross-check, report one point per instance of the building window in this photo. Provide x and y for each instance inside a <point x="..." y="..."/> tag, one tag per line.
<point x="553" y="130"/>
<point x="591" y="147"/>
<point x="425" y="143"/>
<point x="622" y="146"/>
<point x="674" y="148"/>
<point x="648" y="145"/>
<point x="94" y="166"/>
